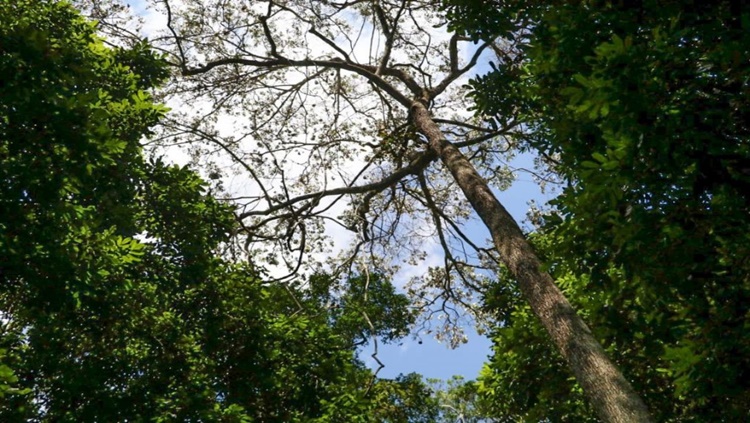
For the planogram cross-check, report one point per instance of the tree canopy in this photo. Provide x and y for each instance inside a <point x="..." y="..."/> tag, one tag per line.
<point x="132" y="289"/>
<point x="119" y="301"/>
<point x="641" y="108"/>
<point x="350" y="114"/>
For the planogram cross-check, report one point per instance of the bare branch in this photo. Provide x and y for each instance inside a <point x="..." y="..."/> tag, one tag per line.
<point x="419" y="163"/>
<point x="330" y="43"/>
<point x="364" y="70"/>
<point x="437" y="90"/>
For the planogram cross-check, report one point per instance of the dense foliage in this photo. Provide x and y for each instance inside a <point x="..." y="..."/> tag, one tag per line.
<point x="642" y="108"/>
<point x="119" y="300"/>
<point x="116" y="303"/>
<point x="352" y="114"/>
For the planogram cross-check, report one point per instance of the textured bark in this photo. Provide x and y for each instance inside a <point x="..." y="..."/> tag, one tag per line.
<point x="611" y="395"/>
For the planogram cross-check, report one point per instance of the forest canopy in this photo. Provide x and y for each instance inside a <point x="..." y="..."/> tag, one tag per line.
<point x="329" y="144"/>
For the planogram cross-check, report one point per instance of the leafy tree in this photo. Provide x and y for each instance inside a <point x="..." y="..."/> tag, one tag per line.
<point x="525" y="379"/>
<point x="70" y="116"/>
<point x="407" y="398"/>
<point x="410" y="398"/>
<point x="642" y="108"/>
<point x="117" y="300"/>
<point x="368" y="308"/>
<point x="360" y="102"/>
<point x="459" y="401"/>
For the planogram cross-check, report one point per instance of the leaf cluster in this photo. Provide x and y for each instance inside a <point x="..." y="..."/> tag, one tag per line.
<point x="642" y="108"/>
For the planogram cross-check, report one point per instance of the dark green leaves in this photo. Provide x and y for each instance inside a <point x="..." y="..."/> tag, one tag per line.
<point x="642" y="107"/>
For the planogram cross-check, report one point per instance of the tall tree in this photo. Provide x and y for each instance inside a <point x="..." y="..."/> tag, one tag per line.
<point x="642" y="108"/>
<point x="361" y="100"/>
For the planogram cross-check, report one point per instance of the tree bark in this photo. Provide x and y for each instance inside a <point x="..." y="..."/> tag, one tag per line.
<point x="611" y="395"/>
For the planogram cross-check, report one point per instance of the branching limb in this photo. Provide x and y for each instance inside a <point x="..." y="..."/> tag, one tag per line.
<point x="445" y="83"/>
<point x="425" y="159"/>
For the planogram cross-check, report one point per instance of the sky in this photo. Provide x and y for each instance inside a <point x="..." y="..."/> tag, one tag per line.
<point x="427" y="356"/>
<point x="435" y="360"/>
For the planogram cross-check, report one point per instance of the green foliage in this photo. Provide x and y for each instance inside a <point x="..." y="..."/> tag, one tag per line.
<point x="643" y="107"/>
<point x="526" y="379"/>
<point x="71" y="118"/>
<point x="489" y="19"/>
<point x="365" y="307"/>
<point x="410" y="398"/>
<point x="460" y="401"/>
<point x="115" y="303"/>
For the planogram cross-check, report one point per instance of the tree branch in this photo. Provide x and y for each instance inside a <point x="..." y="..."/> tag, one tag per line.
<point x="419" y="163"/>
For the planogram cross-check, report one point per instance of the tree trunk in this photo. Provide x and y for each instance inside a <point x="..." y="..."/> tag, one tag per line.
<point x="611" y="395"/>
